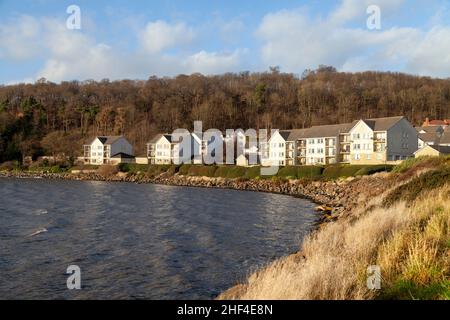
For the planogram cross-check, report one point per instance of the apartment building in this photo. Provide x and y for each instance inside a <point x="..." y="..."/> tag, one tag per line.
<point x="108" y="150"/>
<point x="374" y="141"/>
<point x="369" y="141"/>
<point x="167" y="149"/>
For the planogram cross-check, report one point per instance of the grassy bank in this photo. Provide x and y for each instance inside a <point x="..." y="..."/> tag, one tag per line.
<point x="232" y="172"/>
<point x="405" y="231"/>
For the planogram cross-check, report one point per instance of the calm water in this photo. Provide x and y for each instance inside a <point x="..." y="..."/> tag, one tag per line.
<point x="139" y="241"/>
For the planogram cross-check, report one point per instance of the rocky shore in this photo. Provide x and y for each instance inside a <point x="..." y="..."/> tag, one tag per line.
<point x="336" y="198"/>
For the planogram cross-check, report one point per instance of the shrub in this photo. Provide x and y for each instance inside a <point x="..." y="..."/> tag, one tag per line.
<point x="236" y="172"/>
<point x="133" y="167"/>
<point x="202" y="171"/>
<point x="419" y="163"/>
<point x="9" y="166"/>
<point x="184" y="169"/>
<point x="309" y="172"/>
<point x="412" y="189"/>
<point x="107" y="170"/>
<point x="253" y="172"/>
<point x="288" y="171"/>
<point x="368" y="170"/>
<point x="156" y="169"/>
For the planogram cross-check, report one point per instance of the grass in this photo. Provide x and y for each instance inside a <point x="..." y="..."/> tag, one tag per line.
<point x="409" y="241"/>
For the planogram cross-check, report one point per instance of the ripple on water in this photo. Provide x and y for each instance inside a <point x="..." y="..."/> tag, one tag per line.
<point x="140" y="241"/>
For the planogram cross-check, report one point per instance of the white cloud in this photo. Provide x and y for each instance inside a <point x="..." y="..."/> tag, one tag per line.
<point x="296" y="42"/>
<point x="213" y="62"/>
<point x="69" y="54"/>
<point x="18" y="39"/>
<point x="160" y="35"/>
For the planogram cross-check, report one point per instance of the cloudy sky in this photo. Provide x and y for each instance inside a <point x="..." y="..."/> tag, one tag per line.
<point x="137" y="39"/>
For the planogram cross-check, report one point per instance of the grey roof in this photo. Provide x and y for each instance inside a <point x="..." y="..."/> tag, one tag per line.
<point x="382" y="124"/>
<point x="122" y="155"/>
<point x="106" y="139"/>
<point x="445" y="139"/>
<point x="441" y="149"/>
<point x="428" y="137"/>
<point x="430" y="129"/>
<point x="332" y="130"/>
<point x="159" y="136"/>
<point x="285" y="134"/>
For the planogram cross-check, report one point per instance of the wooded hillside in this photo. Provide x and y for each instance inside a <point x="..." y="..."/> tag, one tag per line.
<point x="49" y="118"/>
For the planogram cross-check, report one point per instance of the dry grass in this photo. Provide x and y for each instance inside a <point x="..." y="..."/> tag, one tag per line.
<point x="411" y="244"/>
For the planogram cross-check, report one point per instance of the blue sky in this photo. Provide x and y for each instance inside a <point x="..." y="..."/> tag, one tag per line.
<point x="137" y="39"/>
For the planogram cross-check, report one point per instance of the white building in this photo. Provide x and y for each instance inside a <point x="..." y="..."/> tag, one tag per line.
<point x="165" y="149"/>
<point x="369" y="141"/>
<point x="108" y="150"/>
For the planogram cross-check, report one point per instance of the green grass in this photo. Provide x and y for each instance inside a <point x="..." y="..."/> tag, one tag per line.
<point x="204" y="171"/>
<point x="410" y="290"/>
<point x="412" y="189"/>
<point x="345" y="170"/>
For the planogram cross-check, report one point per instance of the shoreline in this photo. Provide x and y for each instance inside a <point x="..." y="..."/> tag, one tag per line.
<point x="334" y="199"/>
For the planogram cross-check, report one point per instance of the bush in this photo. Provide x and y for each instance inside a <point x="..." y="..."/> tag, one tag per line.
<point x="411" y="190"/>
<point x="309" y="172"/>
<point x="202" y="171"/>
<point x="184" y="169"/>
<point x="346" y="170"/>
<point x="289" y="171"/>
<point x="236" y="172"/>
<point x="156" y="169"/>
<point x="368" y="170"/>
<point x="107" y="170"/>
<point x="9" y="166"/>
<point x="133" y="167"/>
<point x="253" y="172"/>
<point x="421" y="162"/>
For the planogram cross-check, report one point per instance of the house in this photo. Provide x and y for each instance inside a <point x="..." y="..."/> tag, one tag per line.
<point x="326" y="144"/>
<point x="169" y="149"/>
<point x="108" y="150"/>
<point x="433" y="135"/>
<point x="275" y="154"/>
<point x="433" y="151"/>
<point x="242" y="160"/>
<point x="431" y="123"/>
<point x="380" y="140"/>
<point x="369" y="141"/>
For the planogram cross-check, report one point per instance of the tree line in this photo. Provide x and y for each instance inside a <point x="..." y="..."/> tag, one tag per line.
<point x="48" y="118"/>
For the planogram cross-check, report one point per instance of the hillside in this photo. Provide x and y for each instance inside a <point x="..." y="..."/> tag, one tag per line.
<point x="46" y="118"/>
<point x="405" y="231"/>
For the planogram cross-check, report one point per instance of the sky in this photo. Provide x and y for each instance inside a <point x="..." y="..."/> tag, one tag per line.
<point x="137" y="39"/>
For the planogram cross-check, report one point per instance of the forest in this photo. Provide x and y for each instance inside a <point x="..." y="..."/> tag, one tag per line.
<point x="49" y="118"/>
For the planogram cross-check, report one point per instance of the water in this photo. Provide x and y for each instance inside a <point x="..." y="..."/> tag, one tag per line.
<point x="139" y="241"/>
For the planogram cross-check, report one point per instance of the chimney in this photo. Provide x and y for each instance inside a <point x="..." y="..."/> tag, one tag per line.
<point x="427" y="122"/>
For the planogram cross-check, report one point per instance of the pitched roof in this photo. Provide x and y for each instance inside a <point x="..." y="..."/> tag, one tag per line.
<point x="445" y="138"/>
<point x="105" y="139"/>
<point x="428" y="137"/>
<point x="430" y="129"/>
<point x="441" y="149"/>
<point x="382" y="124"/>
<point x="122" y="155"/>
<point x="332" y="130"/>
<point x="159" y="136"/>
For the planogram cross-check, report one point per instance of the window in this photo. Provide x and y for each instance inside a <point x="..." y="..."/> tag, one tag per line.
<point x="368" y="156"/>
<point x="356" y="136"/>
<point x="379" y="156"/>
<point x="319" y="140"/>
<point x="281" y="145"/>
<point x="311" y="141"/>
<point x="281" y="154"/>
<point x="356" y="146"/>
<point x="357" y="156"/>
